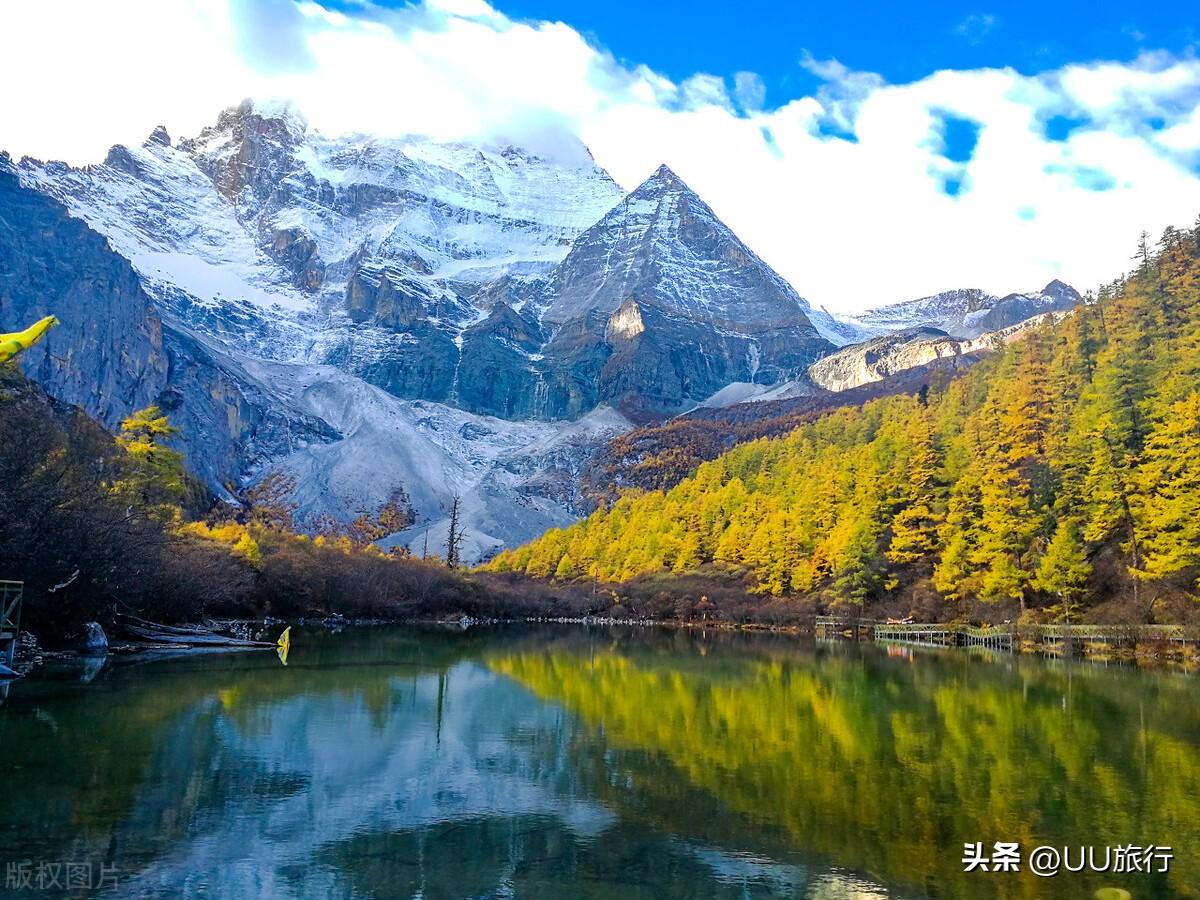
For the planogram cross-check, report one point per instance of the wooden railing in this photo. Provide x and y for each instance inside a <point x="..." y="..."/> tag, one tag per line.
<point x="1005" y="636"/>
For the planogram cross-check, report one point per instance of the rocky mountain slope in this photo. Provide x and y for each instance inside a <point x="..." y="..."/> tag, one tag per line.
<point x="200" y="301"/>
<point x="349" y="444"/>
<point x="431" y="270"/>
<point x="882" y="357"/>
<point x="659" y="304"/>
<point x="970" y="312"/>
<point x="53" y="263"/>
<point x="115" y="353"/>
<point x="373" y="314"/>
<point x="354" y="251"/>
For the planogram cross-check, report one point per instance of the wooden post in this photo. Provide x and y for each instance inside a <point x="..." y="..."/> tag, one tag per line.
<point x="11" y="594"/>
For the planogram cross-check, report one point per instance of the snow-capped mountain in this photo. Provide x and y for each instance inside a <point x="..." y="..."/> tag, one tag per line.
<point x="295" y="235"/>
<point x="664" y="246"/>
<point x="368" y="314"/>
<point x="968" y="313"/>
<point x="659" y="304"/>
<point x="349" y="444"/>
<point x="264" y="255"/>
<point x="372" y="315"/>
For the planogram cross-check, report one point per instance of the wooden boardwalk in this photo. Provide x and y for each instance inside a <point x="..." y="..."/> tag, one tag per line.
<point x="1057" y="639"/>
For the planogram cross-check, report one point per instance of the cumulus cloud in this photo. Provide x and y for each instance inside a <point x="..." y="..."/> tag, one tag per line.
<point x="849" y="192"/>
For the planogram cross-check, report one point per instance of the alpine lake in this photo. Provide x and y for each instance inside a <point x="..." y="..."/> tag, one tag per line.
<point x="575" y="761"/>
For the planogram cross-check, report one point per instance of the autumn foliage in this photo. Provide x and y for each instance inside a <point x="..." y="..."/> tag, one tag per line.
<point x="1061" y="474"/>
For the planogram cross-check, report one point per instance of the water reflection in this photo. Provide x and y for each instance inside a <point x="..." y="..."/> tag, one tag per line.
<point x="575" y="763"/>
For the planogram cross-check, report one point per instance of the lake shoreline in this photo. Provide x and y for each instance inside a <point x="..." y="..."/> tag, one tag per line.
<point x="256" y="634"/>
<point x="559" y="749"/>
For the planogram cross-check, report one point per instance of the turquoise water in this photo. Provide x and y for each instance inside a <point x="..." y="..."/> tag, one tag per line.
<point x="574" y="762"/>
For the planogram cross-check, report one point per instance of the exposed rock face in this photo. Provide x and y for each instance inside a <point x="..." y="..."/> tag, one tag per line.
<point x="883" y="357"/>
<point x="498" y="371"/>
<point x="659" y="304"/>
<point x="625" y="324"/>
<point x="295" y="250"/>
<point x="970" y="312"/>
<point x="663" y="246"/>
<point x="944" y="311"/>
<point x="1016" y="308"/>
<point x="107" y="354"/>
<point x="312" y="243"/>
<point x="249" y="152"/>
<point x="113" y="354"/>
<point x="392" y="298"/>
<point x="159" y="136"/>
<point x="233" y="426"/>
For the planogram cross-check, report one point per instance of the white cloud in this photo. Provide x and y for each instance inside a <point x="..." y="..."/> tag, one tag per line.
<point x="842" y="191"/>
<point x="975" y="27"/>
<point x="749" y="90"/>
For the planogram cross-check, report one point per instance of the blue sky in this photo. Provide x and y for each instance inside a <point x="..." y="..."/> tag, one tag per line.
<point x="996" y="146"/>
<point x="901" y="42"/>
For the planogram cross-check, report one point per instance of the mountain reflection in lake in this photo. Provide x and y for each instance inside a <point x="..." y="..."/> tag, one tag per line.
<point x="574" y="762"/>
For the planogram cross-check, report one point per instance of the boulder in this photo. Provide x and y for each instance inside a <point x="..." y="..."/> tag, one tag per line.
<point x="93" y="639"/>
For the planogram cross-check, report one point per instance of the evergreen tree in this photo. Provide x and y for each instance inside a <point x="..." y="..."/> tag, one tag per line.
<point x="157" y="478"/>
<point x="1080" y="438"/>
<point x="1169" y="501"/>
<point x="915" y="524"/>
<point x="1064" y="570"/>
<point x="566" y="567"/>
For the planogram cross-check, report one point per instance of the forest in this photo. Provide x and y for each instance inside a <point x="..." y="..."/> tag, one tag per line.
<point x="659" y="456"/>
<point x="1058" y="479"/>
<point x="101" y="526"/>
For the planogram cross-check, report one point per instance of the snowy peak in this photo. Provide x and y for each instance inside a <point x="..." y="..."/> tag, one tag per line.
<point x="663" y="181"/>
<point x="260" y="229"/>
<point x="1060" y="291"/>
<point x="158" y="136"/>
<point x="659" y="305"/>
<point x="665" y="204"/>
<point x="665" y="247"/>
<point x="251" y="148"/>
<point x="251" y="116"/>
<point x="926" y="310"/>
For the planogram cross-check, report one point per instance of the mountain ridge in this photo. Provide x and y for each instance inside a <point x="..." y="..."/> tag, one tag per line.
<point x="969" y="312"/>
<point x="489" y="283"/>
